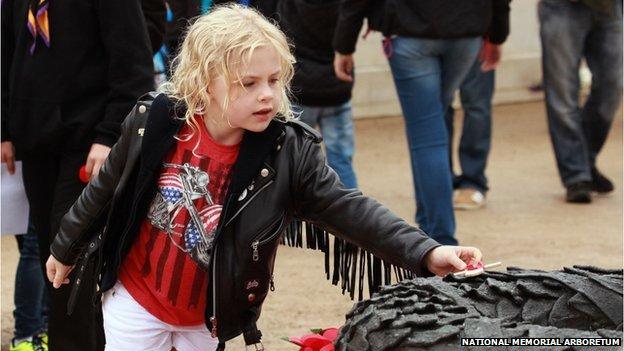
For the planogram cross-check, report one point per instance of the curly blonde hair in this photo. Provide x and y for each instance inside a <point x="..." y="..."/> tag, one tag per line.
<point x="221" y="43"/>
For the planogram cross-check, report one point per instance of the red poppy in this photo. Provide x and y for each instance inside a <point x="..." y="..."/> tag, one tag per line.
<point x="320" y="340"/>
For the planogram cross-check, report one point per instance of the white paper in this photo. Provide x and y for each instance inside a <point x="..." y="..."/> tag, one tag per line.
<point x="13" y="201"/>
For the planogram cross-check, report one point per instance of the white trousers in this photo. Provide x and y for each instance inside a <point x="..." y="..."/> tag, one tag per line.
<point x="129" y="327"/>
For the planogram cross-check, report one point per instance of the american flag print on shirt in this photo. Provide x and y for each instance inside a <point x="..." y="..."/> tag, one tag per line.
<point x="180" y="188"/>
<point x="166" y="268"/>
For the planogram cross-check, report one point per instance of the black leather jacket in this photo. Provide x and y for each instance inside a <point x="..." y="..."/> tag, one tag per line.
<point x="281" y="174"/>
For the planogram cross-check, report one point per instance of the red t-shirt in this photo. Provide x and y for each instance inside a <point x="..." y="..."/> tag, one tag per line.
<point x="161" y="271"/>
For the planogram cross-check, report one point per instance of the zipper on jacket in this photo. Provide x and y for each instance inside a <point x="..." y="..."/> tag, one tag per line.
<point x="257" y="241"/>
<point x="249" y="200"/>
<point x="213" y="331"/>
<point x="271" y="284"/>
<point x="213" y="319"/>
<point x="255" y="257"/>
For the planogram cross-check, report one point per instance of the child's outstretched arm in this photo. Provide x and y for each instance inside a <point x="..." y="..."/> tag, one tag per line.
<point x="321" y="199"/>
<point x="71" y="239"/>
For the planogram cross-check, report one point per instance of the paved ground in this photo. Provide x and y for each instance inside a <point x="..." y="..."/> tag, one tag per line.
<point x="526" y="223"/>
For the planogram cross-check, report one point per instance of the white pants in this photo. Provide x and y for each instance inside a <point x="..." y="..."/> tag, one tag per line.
<point x="129" y="327"/>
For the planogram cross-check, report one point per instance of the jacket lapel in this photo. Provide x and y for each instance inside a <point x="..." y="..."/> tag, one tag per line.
<point x="160" y="129"/>
<point x="254" y="150"/>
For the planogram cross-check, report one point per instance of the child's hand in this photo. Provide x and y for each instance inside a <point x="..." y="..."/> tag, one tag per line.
<point x="57" y="272"/>
<point x="446" y="259"/>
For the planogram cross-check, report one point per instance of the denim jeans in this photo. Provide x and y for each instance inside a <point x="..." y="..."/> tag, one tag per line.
<point x="336" y="123"/>
<point x="30" y="295"/>
<point x="571" y="31"/>
<point x="474" y="145"/>
<point x="426" y="72"/>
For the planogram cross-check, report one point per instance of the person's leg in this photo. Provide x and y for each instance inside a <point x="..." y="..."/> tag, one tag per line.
<point x="87" y="313"/>
<point x="603" y="53"/>
<point x="455" y="68"/>
<point x="457" y="57"/>
<point x="39" y="175"/>
<point x="416" y="69"/>
<point x="476" y="98"/>
<point x="337" y="128"/>
<point x="129" y="327"/>
<point x="29" y="287"/>
<point x="564" y="27"/>
<point x="45" y="307"/>
<point x="449" y="118"/>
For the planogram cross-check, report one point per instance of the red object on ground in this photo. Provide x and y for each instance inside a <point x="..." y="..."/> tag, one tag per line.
<point x="330" y="333"/>
<point x="82" y="174"/>
<point x="321" y="340"/>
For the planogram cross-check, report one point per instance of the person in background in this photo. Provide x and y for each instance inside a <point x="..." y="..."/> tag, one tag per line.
<point x="475" y="93"/>
<point x="71" y="71"/>
<point x="571" y="31"/>
<point x="155" y="14"/>
<point x="430" y="46"/>
<point x="30" y="297"/>
<point x="320" y="97"/>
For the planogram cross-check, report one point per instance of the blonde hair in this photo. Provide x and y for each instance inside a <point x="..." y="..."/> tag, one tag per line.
<point x="221" y="43"/>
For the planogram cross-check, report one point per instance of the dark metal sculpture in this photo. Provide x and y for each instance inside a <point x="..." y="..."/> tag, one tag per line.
<point x="434" y="313"/>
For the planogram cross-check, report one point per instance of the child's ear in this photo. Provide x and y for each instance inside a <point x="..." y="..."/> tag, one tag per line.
<point x="211" y="97"/>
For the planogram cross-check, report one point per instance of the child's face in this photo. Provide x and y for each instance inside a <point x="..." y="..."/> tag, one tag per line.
<point x="254" y="100"/>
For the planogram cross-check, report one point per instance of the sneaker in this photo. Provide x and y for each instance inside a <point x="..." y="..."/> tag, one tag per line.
<point x="468" y="199"/>
<point x="600" y="183"/>
<point x="33" y="343"/>
<point x="579" y="193"/>
<point x="43" y="336"/>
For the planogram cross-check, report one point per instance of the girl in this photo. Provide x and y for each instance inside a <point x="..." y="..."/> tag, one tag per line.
<point x="195" y="195"/>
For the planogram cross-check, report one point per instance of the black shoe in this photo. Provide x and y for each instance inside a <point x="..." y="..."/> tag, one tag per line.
<point x="600" y="183"/>
<point x="579" y="193"/>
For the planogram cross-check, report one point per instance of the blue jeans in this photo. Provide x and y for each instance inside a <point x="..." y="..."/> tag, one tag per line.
<point x="474" y="146"/>
<point x="571" y="31"/>
<point x="30" y="296"/>
<point x="336" y="123"/>
<point x="426" y="72"/>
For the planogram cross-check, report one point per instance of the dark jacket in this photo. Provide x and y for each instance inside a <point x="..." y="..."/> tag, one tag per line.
<point x="432" y="19"/>
<point x="280" y="175"/>
<point x="77" y="91"/>
<point x="310" y="25"/>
